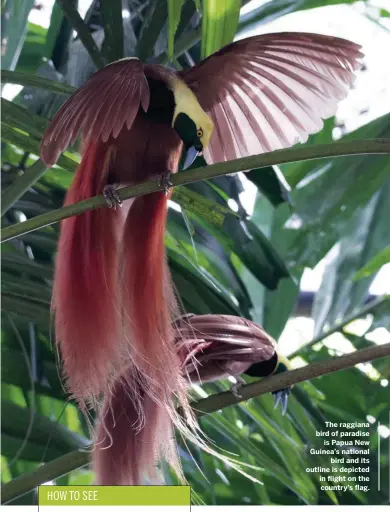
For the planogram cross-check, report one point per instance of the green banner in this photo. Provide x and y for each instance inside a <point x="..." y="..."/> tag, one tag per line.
<point x="156" y="495"/>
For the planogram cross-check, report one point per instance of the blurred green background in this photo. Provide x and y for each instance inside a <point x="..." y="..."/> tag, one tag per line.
<point x="251" y="260"/>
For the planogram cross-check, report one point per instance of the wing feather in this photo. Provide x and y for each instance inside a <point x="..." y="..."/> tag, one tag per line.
<point x="106" y="103"/>
<point x="269" y="92"/>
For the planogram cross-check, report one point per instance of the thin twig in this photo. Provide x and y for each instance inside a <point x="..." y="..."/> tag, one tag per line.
<point x="74" y="460"/>
<point x="299" y="153"/>
<point x="340" y="326"/>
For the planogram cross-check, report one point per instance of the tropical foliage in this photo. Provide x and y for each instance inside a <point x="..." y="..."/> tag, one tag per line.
<point x="222" y="260"/>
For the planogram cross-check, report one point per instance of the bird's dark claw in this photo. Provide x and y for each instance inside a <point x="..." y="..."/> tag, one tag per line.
<point x="164" y="180"/>
<point x="235" y="388"/>
<point x="110" y="193"/>
<point x="281" y="397"/>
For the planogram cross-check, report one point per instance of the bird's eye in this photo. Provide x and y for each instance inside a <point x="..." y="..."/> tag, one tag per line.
<point x="199" y="133"/>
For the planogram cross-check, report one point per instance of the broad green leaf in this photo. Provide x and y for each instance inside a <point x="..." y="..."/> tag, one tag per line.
<point x="14" y="18"/>
<point x="270" y="184"/>
<point x="33" y="50"/>
<point x="194" y="202"/>
<point x="329" y="193"/>
<point x="219" y="24"/>
<point x="375" y="264"/>
<point x="207" y="256"/>
<point x="339" y="294"/>
<point x="53" y="32"/>
<point x="199" y="293"/>
<point x="174" y="13"/>
<point x="279" y="303"/>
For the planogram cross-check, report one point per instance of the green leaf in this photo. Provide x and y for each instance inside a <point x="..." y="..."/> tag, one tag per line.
<point x="33" y="49"/>
<point x="174" y="13"/>
<point x="82" y="31"/>
<point x="13" y="372"/>
<point x="27" y="450"/>
<point x="270" y="184"/>
<point x="14" y="18"/>
<point x="374" y="265"/>
<point x="196" y="203"/>
<point x="339" y="295"/>
<point x="53" y="32"/>
<point x="199" y="292"/>
<point x="111" y="12"/>
<point x="27" y="79"/>
<point x="36" y="310"/>
<point x="17" y="262"/>
<point x="19" y="117"/>
<point x="17" y="420"/>
<point x="152" y="25"/>
<point x="219" y="24"/>
<point x="329" y="193"/>
<point x="208" y="257"/>
<point x="32" y="145"/>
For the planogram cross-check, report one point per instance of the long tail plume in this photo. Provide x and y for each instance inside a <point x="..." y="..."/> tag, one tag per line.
<point x="85" y="285"/>
<point x="126" y="452"/>
<point x="149" y="304"/>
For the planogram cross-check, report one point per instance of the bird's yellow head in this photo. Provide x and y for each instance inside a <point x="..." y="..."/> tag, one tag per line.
<point x="190" y="121"/>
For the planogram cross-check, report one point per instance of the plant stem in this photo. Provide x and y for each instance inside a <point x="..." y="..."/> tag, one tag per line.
<point x="184" y="43"/>
<point x="83" y="32"/>
<point x="300" y="153"/>
<point x="77" y="459"/>
<point x="44" y="473"/>
<point x="21" y="185"/>
<point x="28" y="79"/>
<point x="340" y="326"/>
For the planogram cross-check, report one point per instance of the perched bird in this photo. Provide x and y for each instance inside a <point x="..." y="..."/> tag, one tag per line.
<point x="210" y="348"/>
<point x="215" y="347"/>
<point x="113" y="299"/>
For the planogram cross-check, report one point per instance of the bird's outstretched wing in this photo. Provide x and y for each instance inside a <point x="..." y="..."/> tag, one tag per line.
<point x="268" y="92"/>
<point x="110" y="99"/>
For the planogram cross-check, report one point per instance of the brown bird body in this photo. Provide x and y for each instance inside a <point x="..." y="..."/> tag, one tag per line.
<point x="113" y="299"/>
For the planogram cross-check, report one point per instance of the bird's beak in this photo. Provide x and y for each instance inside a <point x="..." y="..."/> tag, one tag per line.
<point x="191" y="154"/>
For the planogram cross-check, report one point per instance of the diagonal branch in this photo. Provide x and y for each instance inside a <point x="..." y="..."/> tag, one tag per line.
<point x="282" y="156"/>
<point x="83" y="32"/>
<point x="74" y="460"/>
<point x="283" y="380"/>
